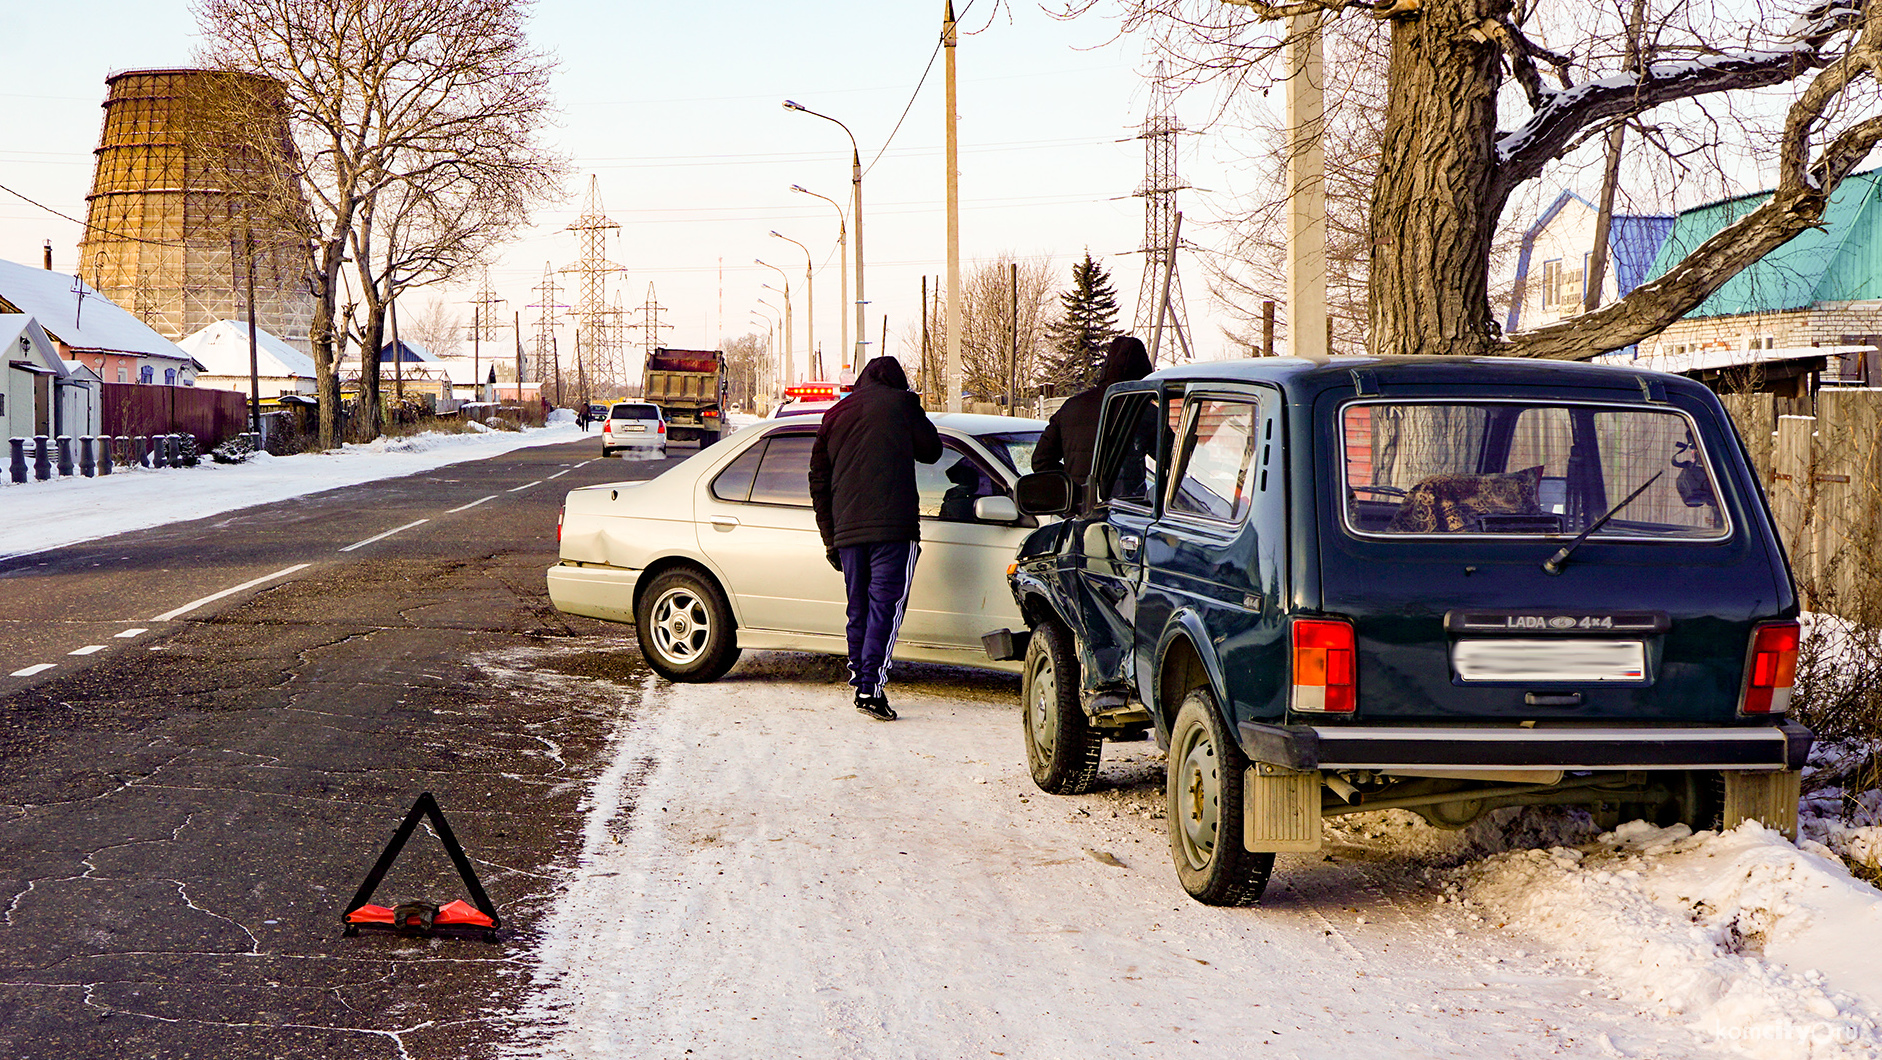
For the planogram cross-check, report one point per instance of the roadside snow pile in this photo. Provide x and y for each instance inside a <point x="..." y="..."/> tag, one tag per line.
<point x="1768" y="948"/>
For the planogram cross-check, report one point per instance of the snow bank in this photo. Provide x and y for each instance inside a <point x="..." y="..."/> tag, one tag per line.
<point x="1768" y="948"/>
<point x="64" y="511"/>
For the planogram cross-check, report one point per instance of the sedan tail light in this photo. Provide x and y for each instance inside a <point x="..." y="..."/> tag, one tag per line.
<point x="1324" y="675"/>
<point x="559" y="515"/>
<point x="1771" y="670"/>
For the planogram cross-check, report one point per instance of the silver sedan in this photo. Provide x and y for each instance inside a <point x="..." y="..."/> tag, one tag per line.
<point x="721" y="552"/>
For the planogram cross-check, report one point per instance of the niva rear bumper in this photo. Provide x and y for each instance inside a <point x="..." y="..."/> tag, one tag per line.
<point x="1781" y="746"/>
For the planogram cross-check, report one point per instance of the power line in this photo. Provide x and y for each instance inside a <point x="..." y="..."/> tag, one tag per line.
<point x="88" y="224"/>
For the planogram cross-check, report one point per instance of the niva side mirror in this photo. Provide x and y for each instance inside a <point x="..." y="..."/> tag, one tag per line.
<point x="1045" y="493"/>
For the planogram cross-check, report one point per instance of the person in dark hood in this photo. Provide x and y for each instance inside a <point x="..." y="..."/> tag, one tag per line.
<point x="862" y="486"/>
<point x="1072" y="434"/>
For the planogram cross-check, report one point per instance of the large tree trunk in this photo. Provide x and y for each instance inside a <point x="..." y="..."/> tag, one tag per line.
<point x="1434" y="208"/>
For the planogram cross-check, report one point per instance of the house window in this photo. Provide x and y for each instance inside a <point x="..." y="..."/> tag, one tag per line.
<point x="123" y="374"/>
<point x="1551" y="283"/>
<point x="169" y="377"/>
<point x="146" y="374"/>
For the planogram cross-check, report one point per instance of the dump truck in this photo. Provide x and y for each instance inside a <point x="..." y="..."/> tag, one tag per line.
<point x="689" y="386"/>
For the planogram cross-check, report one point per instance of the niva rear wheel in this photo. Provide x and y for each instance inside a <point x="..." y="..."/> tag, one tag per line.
<point x="1204" y="804"/>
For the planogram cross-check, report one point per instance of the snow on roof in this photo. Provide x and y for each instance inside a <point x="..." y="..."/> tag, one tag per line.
<point x="467" y="371"/>
<point x="13" y="325"/>
<point x="96" y="323"/>
<point x="1712" y="359"/>
<point x="222" y="348"/>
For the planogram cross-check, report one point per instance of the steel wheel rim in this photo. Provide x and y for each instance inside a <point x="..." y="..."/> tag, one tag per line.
<point x="1045" y="686"/>
<point x="681" y="626"/>
<point x="1196" y="800"/>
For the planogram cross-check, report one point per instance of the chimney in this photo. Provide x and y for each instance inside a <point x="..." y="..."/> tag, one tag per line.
<point x="48" y="255"/>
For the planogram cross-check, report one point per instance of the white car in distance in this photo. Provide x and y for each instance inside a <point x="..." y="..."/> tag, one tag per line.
<point x="633" y="425"/>
<point x="721" y="552"/>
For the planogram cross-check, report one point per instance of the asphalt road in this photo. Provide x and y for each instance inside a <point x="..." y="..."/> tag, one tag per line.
<point x="210" y="729"/>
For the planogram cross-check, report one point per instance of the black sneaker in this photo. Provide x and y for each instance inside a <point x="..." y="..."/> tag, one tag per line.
<point x="876" y="706"/>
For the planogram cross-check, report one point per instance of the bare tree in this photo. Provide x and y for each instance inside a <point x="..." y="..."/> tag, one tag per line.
<point x="433" y="326"/>
<point x="415" y="137"/>
<point x="746" y="359"/>
<point x="1448" y="166"/>
<point x="987" y="348"/>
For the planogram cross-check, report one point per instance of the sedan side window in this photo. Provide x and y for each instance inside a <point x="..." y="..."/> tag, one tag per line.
<point x="784" y="473"/>
<point x="734" y="483"/>
<point x="949" y="487"/>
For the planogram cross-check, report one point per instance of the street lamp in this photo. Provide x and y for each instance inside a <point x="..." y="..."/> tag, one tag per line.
<point x="842" y="263"/>
<point x="856" y="210"/>
<point x="770" y="328"/>
<point x="777" y="330"/>
<point x="810" y="308"/>
<point x="790" y="333"/>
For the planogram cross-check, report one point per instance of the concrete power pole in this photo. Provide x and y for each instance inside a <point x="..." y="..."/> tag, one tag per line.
<point x="1306" y="189"/>
<point x="952" y="376"/>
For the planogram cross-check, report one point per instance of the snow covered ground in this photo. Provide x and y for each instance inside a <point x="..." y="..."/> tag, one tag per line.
<point x="64" y="511"/>
<point x="767" y="873"/>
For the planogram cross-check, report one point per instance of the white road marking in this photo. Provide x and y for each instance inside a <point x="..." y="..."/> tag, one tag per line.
<point x="382" y="537"/>
<point x="471" y="505"/>
<point x="133" y="632"/>
<point x="562" y="472"/>
<point x="87" y="649"/>
<point x="525" y="486"/>
<point x="31" y="670"/>
<point x="213" y="597"/>
<point x="583" y="464"/>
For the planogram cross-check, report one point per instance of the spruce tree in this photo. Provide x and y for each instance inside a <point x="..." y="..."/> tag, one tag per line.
<point x="1086" y="325"/>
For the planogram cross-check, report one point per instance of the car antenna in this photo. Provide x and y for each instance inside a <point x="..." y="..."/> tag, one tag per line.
<point x="1553" y="565"/>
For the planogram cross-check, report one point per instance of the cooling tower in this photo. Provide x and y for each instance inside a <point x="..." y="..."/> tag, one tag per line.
<point x="166" y="199"/>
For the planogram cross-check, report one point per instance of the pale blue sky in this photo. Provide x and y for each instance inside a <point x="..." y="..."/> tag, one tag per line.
<point x="676" y="108"/>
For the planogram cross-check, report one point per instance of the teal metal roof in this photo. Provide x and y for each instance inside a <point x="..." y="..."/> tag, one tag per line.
<point x="1840" y="261"/>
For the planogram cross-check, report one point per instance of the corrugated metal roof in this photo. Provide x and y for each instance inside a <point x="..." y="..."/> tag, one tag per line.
<point x="1839" y="261"/>
<point x="1633" y="242"/>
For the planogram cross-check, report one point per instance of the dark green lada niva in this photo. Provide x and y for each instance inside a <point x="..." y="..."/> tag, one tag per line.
<point x="1437" y="584"/>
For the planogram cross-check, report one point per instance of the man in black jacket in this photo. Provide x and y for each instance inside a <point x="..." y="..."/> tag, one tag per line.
<point x="1072" y="434"/>
<point x="862" y="485"/>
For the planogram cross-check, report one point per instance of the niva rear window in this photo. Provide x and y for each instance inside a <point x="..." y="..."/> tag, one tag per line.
<point x="1523" y="469"/>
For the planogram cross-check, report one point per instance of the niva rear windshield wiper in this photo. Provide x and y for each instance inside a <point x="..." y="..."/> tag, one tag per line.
<point x="1553" y="565"/>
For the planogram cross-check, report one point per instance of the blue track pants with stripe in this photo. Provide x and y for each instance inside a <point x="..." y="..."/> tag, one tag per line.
<point x="876" y="580"/>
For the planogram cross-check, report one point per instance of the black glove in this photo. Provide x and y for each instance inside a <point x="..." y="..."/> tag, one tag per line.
<point x="836" y="562"/>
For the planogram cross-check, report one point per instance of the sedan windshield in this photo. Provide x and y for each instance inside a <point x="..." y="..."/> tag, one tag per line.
<point x="1013" y="448"/>
<point x="1526" y="469"/>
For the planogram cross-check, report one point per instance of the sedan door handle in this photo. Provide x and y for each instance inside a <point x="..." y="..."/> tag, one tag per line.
<point x="724" y="522"/>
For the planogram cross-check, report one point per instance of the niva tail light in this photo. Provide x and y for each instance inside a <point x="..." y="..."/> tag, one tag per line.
<point x="1771" y="670"/>
<point x="662" y="429"/>
<point x="1325" y="679"/>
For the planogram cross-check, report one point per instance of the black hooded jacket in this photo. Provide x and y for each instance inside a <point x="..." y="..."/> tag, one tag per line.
<point x="862" y="469"/>
<point x="1072" y="434"/>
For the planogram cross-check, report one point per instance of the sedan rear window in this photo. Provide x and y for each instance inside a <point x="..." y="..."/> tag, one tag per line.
<point x="1513" y="468"/>
<point x="634" y="412"/>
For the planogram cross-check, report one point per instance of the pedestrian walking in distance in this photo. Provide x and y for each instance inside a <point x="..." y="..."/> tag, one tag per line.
<point x="1072" y="434"/>
<point x="862" y="485"/>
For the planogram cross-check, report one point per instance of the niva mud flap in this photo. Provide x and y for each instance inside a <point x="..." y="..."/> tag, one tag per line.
<point x="1769" y="798"/>
<point x="1280" y="809"/>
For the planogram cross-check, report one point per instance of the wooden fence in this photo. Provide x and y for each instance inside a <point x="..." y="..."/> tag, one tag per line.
<point x="1823" y="474"/>
<point x="213" y="416"/>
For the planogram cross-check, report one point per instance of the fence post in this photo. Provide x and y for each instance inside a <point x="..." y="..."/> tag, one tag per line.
<point x="42" y="457"/>
<point x="64" y="442"/>
<point x="157" y="448"/>
<point x="140" y="451"/>
<point x="19" y="459"/>
<point x="87" y="465"/>
<point x="104" y="454"/>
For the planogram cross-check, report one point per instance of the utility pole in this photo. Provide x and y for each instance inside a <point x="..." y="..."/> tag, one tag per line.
<point x="1012" y="364"/>
<point x="949" y="38"/>
<point x="1159" y="131"/>
<point x="483" y="319"/>
<point x="591" y="308"/>
<point x="1306" y="189"/>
